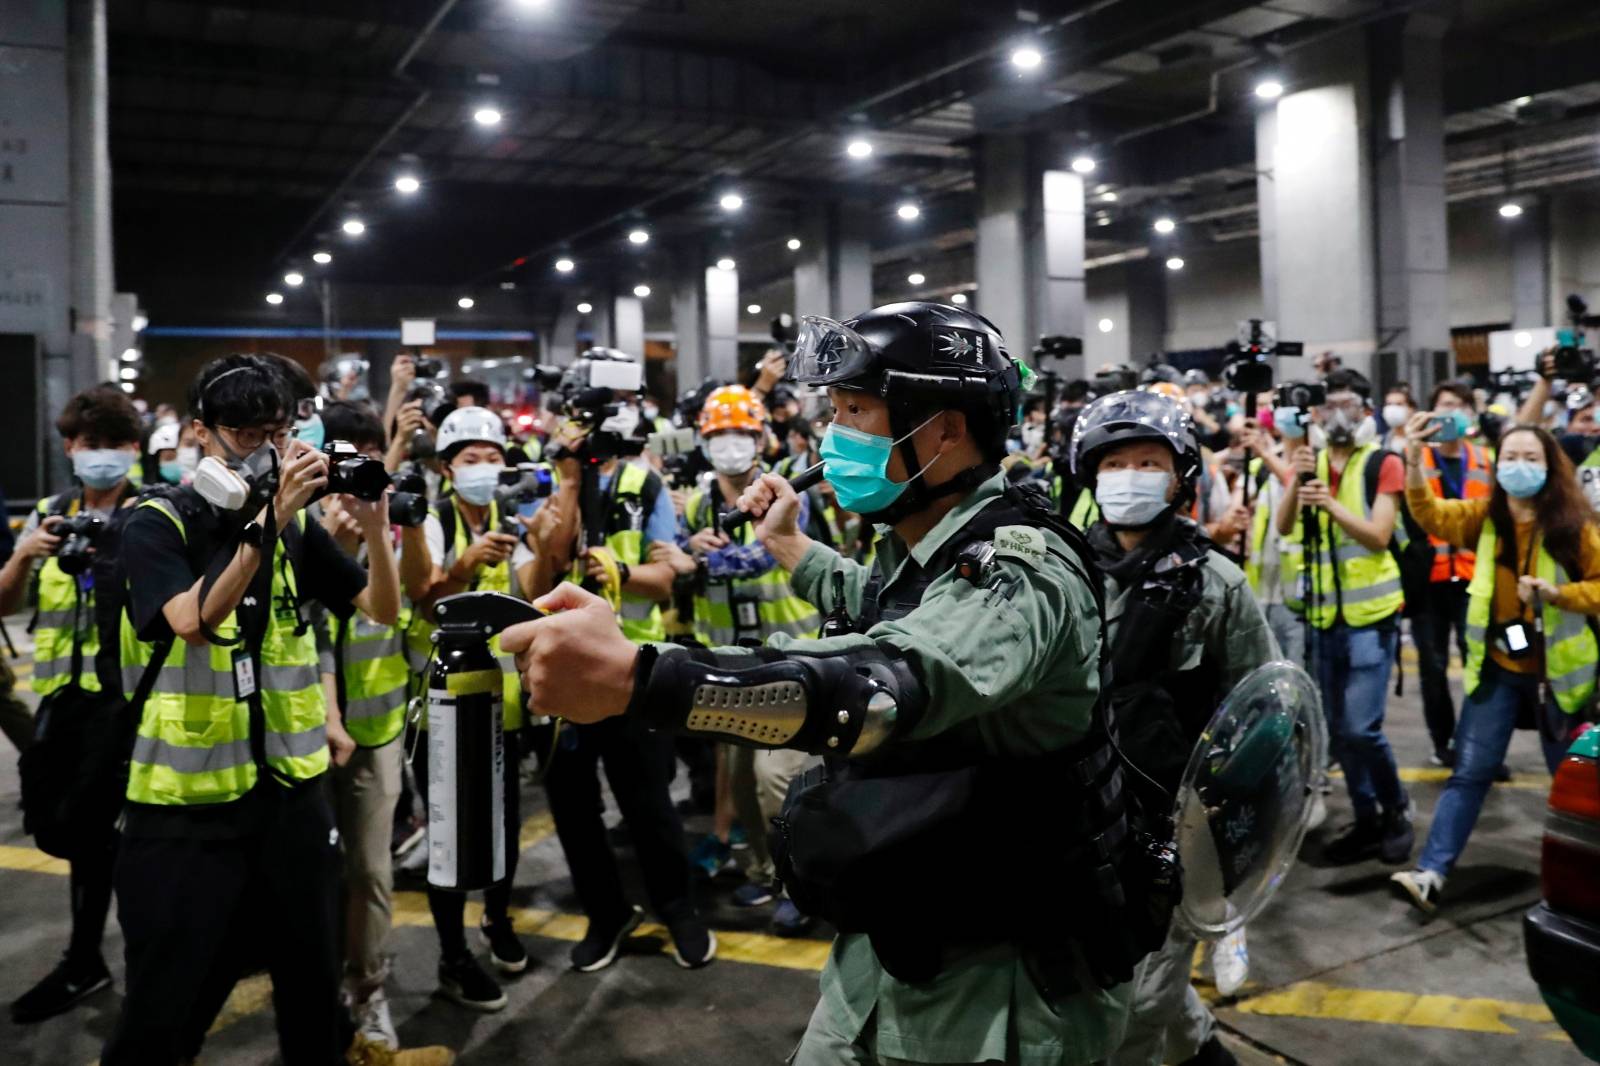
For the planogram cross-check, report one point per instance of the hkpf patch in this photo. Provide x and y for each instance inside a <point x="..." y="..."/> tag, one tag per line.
<point x="1022" y="543"/>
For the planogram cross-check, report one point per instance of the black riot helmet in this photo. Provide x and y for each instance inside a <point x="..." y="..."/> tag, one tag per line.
<point x="1124" y="417"/>
<point x="921" y="358"/>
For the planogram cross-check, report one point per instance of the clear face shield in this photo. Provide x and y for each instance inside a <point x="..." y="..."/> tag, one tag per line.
<point x="827" y="353"/>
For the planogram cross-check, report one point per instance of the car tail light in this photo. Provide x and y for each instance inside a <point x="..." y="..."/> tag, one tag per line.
<point x="1569" y="867"/>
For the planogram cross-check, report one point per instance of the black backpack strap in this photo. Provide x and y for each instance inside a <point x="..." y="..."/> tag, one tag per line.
<point x="446" y="512"/>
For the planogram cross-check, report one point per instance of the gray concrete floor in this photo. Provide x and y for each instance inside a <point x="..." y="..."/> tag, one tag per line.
<point x="1341" y="971"/>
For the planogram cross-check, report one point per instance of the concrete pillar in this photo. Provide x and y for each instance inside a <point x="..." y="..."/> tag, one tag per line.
<point x="722" y="323"/>
<point x="627" y="325"/>
<point x="1147" y="308"/>
<point x="1267" y="208"/>
<point x="92" y="282"/>
<point x="1413" y="300"/>
<point x="1321" y="185"/>
<point x="850" y="260"/>
<point x="1530" y="266"/>
<point x="1574" y="252"/>
<point x="813" y="264"/>
<point x="1059" y="296"/>
<point x="561" y="343"/>
<point x="688" y="321"/>
<point x="1002" y="247"/>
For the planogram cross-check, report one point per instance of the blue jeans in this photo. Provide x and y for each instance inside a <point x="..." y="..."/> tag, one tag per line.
<point x="1483" y="734"/>
<point x="1353" y="671"/>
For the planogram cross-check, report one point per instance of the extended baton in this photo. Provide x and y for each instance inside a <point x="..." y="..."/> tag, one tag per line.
<point x="805" y="479"/>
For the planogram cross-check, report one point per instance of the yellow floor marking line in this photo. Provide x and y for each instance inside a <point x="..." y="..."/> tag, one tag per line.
<point x="31" y="860"/>
<point x="758" y="949"/>
<point x="1313" y="999"/>
<point x="536" y="829"/>
<point x="1438" y="775"/>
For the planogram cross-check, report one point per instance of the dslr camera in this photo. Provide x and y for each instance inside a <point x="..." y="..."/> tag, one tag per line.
<point x="1303" y="395"/>
<point x="78" y="534"/>
<point x="1119" y="378"/>
<point x="408" y="504"/>
<point x="437" y="403"/>
<point x="1573" y="362"/>
<point x="590" y="393"/>
<point x="520" y="487"/>
<point x="352" y="474"/>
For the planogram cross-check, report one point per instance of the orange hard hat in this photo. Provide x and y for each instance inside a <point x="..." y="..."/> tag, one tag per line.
<point x="732" y="407"/>
<point x="1167" y="389"/>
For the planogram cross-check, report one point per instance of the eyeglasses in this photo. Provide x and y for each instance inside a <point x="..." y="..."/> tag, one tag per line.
<point x="248" y="439"/>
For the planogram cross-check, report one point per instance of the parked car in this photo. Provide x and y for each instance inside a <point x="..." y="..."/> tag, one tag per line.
<point x="1562" y="933"/>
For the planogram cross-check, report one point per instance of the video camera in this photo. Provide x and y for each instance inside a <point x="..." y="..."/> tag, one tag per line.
<point x="1057" y="346"/>
<point x="590" y="393"/>
<point x="1573" y="362"/>
<point x="352" y="474"/>
<point x="437" y="403"/>
<point x="1246" y="368"/>
<point x="78" y="534"/>
<point x="408" y="504"/>
<point x="785" y="332"/>
<point x="1514" y="383"/>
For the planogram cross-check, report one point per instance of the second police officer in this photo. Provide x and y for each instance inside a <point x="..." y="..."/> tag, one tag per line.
<point x="974" y="664"/>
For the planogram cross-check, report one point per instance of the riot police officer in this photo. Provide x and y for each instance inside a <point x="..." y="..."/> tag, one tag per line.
<point x="960" y="694"/>
<point x="1183" y="629"/>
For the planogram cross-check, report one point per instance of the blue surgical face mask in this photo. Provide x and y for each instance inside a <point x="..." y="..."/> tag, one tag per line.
<point x="311" y="431"/>
<point x="1291" y="421"/>
<point x="1520" y="478"/>
<point x="1132" y="497"/>
<point x="858" y="468"/>
<point x="172" y="472"/>
<point x="102" y="468"/>
<point x="476" y="482"/>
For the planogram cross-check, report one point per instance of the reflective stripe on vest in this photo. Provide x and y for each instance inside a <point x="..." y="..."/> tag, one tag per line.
<point x="193" y="742"/>
<point x="640" y="617"/>
<point x="376" y="677"/>
<point x="1449" y="561"/>
<point x="1368" y="581"/>
<point x="55" y="633"/>
<point x="778" y="609"/>
<point x="1569" y="644"/>
<point x="1262" y="522"/>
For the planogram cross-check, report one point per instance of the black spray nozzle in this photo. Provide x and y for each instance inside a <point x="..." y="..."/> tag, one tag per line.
<point x="802" y="481"/>
<point x="475" y="615"/>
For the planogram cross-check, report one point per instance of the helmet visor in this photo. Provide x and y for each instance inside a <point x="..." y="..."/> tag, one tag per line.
<point x="828" y="353"/>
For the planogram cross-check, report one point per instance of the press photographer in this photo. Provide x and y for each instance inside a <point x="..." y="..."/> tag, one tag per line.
<point x="608" y="510"/>
<point x="52" y="567"/>
<point x="229" y="852"/>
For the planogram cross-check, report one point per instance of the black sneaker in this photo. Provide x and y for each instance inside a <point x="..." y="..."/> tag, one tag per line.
<point x="505" y="950"/>
<point x="599" y="946"/>
<point x="464" y="981"/>
<point x="693" y="945"/>
<point x="1212" y="1053"/>
<point x="1398" y="836"/>
<point x="61" y="990"/>
<point x="1360" y="841"/>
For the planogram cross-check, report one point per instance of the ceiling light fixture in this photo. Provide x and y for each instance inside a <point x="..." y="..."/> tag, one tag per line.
<point x="407" y="184"/>
<point x="1164" y="225"/>
<point x="486" y="116"/>
<point x="1106" y="325"/>
<point x="1510" y="210"/>
<point x="466" y="303"/>
<point x="915" y="279"/>
<point x="908" y="212"/>
<point x="1175" y="263"/>
<point x="753" y="309"/>
<point x="1026" y="58"/>
<point x="731" y="201"/>
<point x="858" y="148"/>
<point x="1083" y="165"/>
<point x="958" y="298"/>
<point x="726" y="264"/>
<point x="794" y="244"/>
<point x="585" y="307"/>
<point x="638" y="236"/>
<point x="641" y="291"/>
<point x="354" y="227"/>
<point x="321" y="258"/>
<point x="565" y="265"/>
<point x="294" y="279"/>
<point x="1270" y="89"/>
<point x="274" y="298"/>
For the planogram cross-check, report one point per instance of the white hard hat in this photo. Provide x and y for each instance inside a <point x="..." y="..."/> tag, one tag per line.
<point x="469" y="425"/>
<point x="165" y="436"/>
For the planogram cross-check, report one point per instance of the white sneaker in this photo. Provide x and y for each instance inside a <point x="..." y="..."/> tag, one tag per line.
<point x="374" y="1023"/>
<point x="1319" y="812"/>
<point x="1422" y="886"/>
<point x="1230" y="962"/>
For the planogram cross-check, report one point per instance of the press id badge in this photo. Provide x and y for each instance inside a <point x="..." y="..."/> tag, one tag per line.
<point x="1516" y="635"/>
<point x="244" y="675"/>
<point x="746" y="614"/>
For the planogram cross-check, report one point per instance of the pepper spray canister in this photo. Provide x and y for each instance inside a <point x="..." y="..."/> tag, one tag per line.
<point x="466" y="743"/>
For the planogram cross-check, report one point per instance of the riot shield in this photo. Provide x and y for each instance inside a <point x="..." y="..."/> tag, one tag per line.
<point x="1245" y="797"/>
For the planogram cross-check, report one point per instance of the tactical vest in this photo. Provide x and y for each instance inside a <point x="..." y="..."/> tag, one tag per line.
<point x="193" y="742"/>
<point x="872" y="844"/>
<point x="1449" y="562"/>
<point x="1346" y="579"/>
<point x="497" y="578"/>
<point x="373" y="666"/>
<point x="66" y="618"/>
<point x="727" y="611"/>
<point x="1569" y="642"/>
